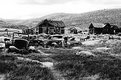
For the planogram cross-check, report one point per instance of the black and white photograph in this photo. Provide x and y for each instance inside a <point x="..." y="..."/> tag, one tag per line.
<point x="60" y="39"/>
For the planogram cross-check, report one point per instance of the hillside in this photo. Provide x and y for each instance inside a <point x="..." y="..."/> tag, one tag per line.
<point x="16" y="24"/>
<point x="4" y="23"/>
<point x="77" y="20"/>
<point x="84" y="19"/>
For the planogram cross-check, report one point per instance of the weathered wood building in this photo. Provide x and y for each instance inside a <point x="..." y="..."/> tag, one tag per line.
<point x="28" y="31"/>
<point x="96" y="28"/>
<point x="51" y="27"/>
<point x="73" y="30"/>
<point x="100" y="28"/>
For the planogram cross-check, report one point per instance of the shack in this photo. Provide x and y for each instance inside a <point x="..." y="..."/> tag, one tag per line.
<point x="96" y="28"/>
<point x="28" y="31"/>
<point x="100" y="28"/>
<point x="51" y="27"/>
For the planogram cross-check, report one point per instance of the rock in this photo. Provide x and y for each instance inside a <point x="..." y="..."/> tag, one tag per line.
<point x="103" y="48"/>
<point x="77" y="48"/>
<point x="2" y="45"/>
<point x="87" y="53"/>
<point x="47" y="64"/>
<point x="91" y="42"/>
<point x="13" y="49"/>
<point x="2" y="76"/>
<point x="31" y="48"/>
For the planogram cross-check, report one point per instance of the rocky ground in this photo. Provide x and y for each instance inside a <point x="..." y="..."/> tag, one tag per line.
<point x="85" y="62"/>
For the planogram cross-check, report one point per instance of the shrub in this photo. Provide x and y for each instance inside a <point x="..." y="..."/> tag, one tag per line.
<point x="77" y="68"/>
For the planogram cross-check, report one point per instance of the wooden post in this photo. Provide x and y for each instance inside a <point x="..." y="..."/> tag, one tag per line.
<point x="12" y="37"/>
<point x="114" y="32"/>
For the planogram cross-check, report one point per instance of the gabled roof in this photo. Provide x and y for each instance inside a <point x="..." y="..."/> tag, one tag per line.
<point x="98" y="25"/>
<point x="53" y="23"/>
<point x="57" y="23"/>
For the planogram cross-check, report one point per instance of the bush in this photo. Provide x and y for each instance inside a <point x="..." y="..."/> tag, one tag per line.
<point x="23" y="70"/>
<point x="31" y="72"/>
<point x="116" y="48"/>
<point x="77" y="68"/>
<point x="6" y="66"/>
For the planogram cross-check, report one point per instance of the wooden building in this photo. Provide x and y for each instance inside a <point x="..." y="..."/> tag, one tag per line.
<point x="96" y="28"/>
<point x="100" y="28"/>
<point x="73" y="30"/>
<point x="51" y="27"/>
<point x="28" y="31"/>
<point x="114" y="29"/>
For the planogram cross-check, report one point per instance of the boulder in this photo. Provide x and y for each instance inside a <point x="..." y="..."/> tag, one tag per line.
<point x="31" y="48"/>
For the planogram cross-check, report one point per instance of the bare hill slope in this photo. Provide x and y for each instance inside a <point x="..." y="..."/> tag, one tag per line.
<point x="77" y="20"/>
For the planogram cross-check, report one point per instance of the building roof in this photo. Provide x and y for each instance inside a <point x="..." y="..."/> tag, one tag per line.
<point x="76" y="28"/>
<point x="52" y="23"/>
<point x="114" y="26"/>
<point x="98" y="25"/>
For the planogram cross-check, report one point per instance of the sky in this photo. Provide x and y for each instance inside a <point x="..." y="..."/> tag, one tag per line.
<point x="25" y="9"/>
